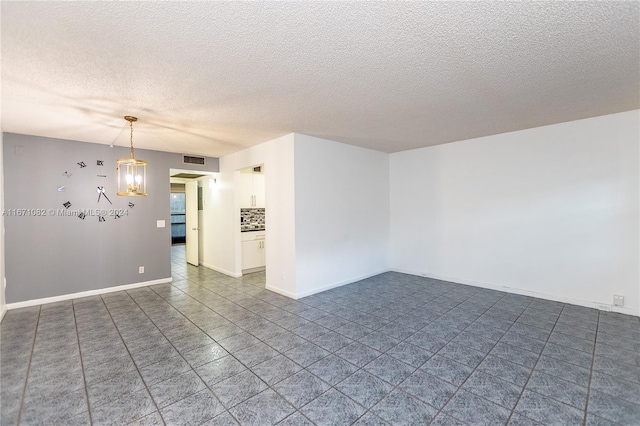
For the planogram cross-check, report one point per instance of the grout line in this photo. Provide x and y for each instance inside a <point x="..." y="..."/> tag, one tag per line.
<point x="281" y="353"/>
<point x="397" y="387"/>
<point x="180" y="354"/>
<point x="26" y="379"/>
<point x="593" y="359"/>
<point x="84" y="378"/>
<point x="229" y="352"/>
<point x="535" y="364"/>
<point x="134" y="363"/>
<point x="440" y="410"/>
<point x="393" y="295"/>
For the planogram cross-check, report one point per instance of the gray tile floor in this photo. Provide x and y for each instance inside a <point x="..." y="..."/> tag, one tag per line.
<point x="392" y="349"/>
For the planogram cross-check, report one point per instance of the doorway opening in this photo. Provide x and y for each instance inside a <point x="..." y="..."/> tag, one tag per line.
<point x="178" y="215"/>
<point x="252" y="220"/>
<point x="186" y="217"/>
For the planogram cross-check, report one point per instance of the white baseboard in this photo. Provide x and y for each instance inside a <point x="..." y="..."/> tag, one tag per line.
<point x="281" y="291"/>
<point x="339" y="284"/>
<point x="36" y="302"/>
<point x="252" y="270"/>
<point x="523" y="292"/>
<point x="222" y="271"/>
<point x="3" y="311"/>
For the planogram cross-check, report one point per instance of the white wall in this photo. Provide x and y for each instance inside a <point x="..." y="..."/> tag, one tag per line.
<point x="222" y="214"/>
<point x="550" y="211"/>
<point x="342" y="213"/>
<point x="3" y="305"/>
<point x="327" y="214"/>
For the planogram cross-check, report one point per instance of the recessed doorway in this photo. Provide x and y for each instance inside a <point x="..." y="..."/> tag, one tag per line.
<point x="186" y="210"/>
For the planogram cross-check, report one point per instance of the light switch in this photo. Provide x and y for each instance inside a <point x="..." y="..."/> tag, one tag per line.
<point x="160" y="223"/>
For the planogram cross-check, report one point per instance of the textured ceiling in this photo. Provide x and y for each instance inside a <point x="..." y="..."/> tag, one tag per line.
<point x="214" y="77"/>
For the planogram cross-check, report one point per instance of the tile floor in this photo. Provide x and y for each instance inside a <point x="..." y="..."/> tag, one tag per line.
<point x="392" y="349"/>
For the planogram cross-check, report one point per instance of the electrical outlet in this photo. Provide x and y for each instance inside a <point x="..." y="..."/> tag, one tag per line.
<point x="618" y="300"/>
<point x="141" y="270"/>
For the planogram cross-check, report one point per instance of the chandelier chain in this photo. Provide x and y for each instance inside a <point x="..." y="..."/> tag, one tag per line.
<point x="131" y="119"/>
<point x="131" y="138"/>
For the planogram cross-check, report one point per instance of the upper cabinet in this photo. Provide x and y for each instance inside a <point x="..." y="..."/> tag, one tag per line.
<point x="258" y="189"/>
<point x="252" y="189"/>
<point x="246" y="190"/>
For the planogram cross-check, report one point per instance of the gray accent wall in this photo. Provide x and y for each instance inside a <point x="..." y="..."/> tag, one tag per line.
<point x="50" y="255"/>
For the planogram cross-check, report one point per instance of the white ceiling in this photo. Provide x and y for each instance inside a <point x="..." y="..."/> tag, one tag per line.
<point x="212" y="78"/>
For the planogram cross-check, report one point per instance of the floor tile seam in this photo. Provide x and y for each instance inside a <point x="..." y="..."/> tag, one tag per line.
<point x="557" y="358"/>
<point x="447" y="342"/>
<point x="553" y="399"/>
<point x="488" y="353"/>
<point x="514" y="346"/>
<point x="159" y="329"/>
<point x="358" y="368"/>
<point x="487" y="326"/>
<point x="628" y="347"/>
<point x="186" y="317"/>
<point x="616" y="396"/>
<point x="84" y="378"/>
<point x="578" y="325"/>
<point x="581" y="323"/>
<point x="212" y="387"/>
<point x="370" y="411"/>
<point x="460" y="387"/>
<point x="635" y="353"/>
<point x="534" y="327"/>
<point x="593" y="359"/>
<point x="624" y="364"/>
<point x="573" y="337"/>
<point x="393" y="387"/>
<point x="269" y="387"/>
<point x="615" y="317"/>
<point x="627" y="324"/>
<point x="217" y="313"/>
<point x="290" y="415"/>
<point x="305" y="339"/>
<point x="198" y="284"/>
<point x="333" y="387"/>
<point x="129" y="352"/>
<point x="184" y="292"/>
<point x="206" y="387"/>
<point x="26" y="379"/>
<point x="532" y="371"/>
<point x="470" y="374"/>
<point x="494" y="343"/>
<point x="231" y="354"/>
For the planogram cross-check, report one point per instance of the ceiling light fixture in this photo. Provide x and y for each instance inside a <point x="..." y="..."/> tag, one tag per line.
<point x="132" y="173"/>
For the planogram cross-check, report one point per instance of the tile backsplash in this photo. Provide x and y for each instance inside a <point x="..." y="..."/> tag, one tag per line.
<point x="252" y="220"/>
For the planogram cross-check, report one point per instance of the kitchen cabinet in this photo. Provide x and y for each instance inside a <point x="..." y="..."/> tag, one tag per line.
<point x="258" y="190"/>
<point x="253" y="250"/>
<point x="252" y="189"/>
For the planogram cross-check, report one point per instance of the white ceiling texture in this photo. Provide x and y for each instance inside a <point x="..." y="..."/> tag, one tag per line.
<point x="212" y="78"/>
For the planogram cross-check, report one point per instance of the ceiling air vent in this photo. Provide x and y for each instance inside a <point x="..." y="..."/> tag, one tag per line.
<point x="193" y="159"/>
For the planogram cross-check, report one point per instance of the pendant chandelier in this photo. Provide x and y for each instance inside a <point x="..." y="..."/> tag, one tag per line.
<point x="132" y="173"/>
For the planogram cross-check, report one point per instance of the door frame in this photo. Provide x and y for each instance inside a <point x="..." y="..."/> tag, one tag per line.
<point x="192" y="223"/>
